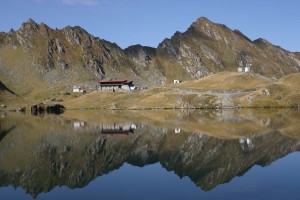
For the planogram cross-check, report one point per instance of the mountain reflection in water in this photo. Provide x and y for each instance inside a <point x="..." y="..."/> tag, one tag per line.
<point x="39" y="153"/>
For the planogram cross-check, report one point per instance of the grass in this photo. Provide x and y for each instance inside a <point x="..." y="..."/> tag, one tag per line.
<point x="162" y="98"/>
<point x="258" y="92"/>
<point x="226" y="81"/>
<point x="284" y="93"/>
<point x="16" y="64"/>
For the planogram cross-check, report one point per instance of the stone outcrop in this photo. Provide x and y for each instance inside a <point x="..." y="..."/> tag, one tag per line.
<point x="42" y="108"/>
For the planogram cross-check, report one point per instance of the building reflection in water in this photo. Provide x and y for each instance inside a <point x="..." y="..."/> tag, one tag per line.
<point x="117" y="129"/>
<point x="110" y="129"/>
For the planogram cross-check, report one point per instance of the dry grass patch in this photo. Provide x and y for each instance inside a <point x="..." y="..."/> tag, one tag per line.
<point x="226" y="81"/>
<point x="285" y="93"/>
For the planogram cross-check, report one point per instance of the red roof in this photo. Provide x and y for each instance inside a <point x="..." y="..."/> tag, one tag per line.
<point x="114" y="81"/>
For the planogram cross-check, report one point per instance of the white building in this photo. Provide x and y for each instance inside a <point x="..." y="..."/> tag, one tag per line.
<point x="116" y="86"/>
<point x="240" y="69"/>
<point x="247" y="68"/>
<point x="78" y="125"/>
<point x="177" y="81"/>
<point x="177" y="130"/>
<point x="77" y="89"/>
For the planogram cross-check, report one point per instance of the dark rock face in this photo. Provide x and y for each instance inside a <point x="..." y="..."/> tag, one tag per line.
<point x="73" y="55"/>
<point x="140" y="54"/>
<point x="38" y="108"/>
<point x="55" y="109"/>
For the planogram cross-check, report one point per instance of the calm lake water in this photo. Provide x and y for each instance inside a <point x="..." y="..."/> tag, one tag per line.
<point x="166" y="154"/>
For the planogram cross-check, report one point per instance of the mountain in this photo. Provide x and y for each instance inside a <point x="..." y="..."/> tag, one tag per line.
<point x="36" y="55"/>
<point x="37" y="60"/>
<point x="207" y="48"/>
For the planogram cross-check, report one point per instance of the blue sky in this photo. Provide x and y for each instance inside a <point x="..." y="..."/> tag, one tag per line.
<point x="148" y="22"/>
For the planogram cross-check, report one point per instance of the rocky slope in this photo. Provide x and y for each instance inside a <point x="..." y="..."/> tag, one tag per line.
<point x="36" y="57"/>
<point x="39" y="57"/>
<point x="207" y="48"/>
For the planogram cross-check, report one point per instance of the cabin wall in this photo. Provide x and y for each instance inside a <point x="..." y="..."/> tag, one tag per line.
<point x="123" y="88"/>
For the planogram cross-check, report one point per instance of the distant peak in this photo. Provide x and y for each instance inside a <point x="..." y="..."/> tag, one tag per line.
<point x="31" y="21"/>
<point x="138" y="46"/>
<point x="30" y="24"/>
<point x="202" y="20"/>
<point x="261" y="40"/>
<point x="11" y="31"/>
<point x="76" y="28"/>
<point x="44" y="25"/>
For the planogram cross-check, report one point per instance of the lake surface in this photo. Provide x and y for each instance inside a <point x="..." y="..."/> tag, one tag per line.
<point x="154" y="154"/>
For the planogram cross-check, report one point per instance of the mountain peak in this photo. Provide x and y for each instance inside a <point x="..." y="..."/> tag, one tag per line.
<point x="202" y="25"/>
<point x="202" y="21"/>
<point x="30" y="24"/>
<point x="202" y="18"/>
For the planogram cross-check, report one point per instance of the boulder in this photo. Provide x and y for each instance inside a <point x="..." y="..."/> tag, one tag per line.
<point x="38" y="108"/>
<point x="55" y="109"/>
<point x="21" y="109"/>
<point x="49" y="109"/>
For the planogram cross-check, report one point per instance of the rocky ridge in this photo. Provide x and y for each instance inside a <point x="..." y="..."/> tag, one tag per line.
<point x="52" y="57"/>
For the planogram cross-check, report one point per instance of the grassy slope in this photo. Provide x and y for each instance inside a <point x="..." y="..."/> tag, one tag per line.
<point x="16" y="64"/>
<point x="152" y="98"/>
<point x="8" y="96"/>
<point x="172" y="96"/>
<point x="191" y="94"/>
<point x="227" y="81"/>
<point x="284" y="93"/>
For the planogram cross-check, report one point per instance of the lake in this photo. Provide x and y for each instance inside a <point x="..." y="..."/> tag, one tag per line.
<point x="151" y="154"/>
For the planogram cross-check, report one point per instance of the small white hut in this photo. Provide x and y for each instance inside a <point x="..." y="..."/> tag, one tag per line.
<point x="77" y="89"/>
<point x="177" y="130"/>
<point x="177" y="81"/>
<point x="241" y="68"/>
<point x="248" y="68"/>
